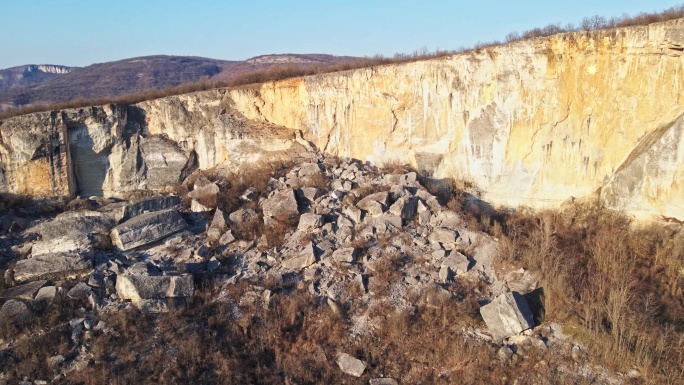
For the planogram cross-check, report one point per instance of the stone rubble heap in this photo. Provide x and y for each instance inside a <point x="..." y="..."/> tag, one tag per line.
<point x="354" y="236"/>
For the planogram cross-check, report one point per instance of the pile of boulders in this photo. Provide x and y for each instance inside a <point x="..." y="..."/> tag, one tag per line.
<point x="346" y="220"/>
<point x="90" y="248"/>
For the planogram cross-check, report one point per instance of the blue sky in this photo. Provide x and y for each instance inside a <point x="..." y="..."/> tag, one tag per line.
<point x="80" y="32"/>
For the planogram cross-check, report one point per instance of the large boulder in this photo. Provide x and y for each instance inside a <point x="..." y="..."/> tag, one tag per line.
<point x="147" y="228"/>
<point x="507" y="315"/>
<point x="146" y="205"/>
<point x="281" y="206"/>
<point x="146" y="163"/>
<point x="52" y="267"/>
<point x="77" y="231"/>
<point x="141" y="287"/>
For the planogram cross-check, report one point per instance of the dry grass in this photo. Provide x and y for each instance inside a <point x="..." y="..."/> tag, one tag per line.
<point x="296" y="341"/>
<point x="618" y="286"/>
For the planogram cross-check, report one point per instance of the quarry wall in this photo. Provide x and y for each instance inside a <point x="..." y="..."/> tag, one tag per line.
<point x="533" y="123"/>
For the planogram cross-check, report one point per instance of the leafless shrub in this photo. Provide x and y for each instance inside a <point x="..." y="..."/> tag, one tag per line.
<point x="613" y="282"/>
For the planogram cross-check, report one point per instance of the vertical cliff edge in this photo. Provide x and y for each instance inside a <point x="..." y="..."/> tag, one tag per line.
<point x="534" y="122"/>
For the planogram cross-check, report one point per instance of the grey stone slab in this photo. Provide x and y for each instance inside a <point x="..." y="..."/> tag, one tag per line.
<point x="147" y="228"/>
<point x="146" y="205"/>
<point x="52" y="267"/>
<point x="507" y="315"/>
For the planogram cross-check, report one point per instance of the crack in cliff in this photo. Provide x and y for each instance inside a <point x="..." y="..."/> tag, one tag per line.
<point x="534" y="135"/>
<point x="541" y="126"/>
<point x="395" y="121"/>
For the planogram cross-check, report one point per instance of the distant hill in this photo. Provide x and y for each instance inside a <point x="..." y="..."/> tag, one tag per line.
<point x="27" y="75"/>
<point x="38" y="84"/>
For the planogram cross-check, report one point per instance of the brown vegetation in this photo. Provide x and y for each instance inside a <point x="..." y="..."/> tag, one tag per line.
<point x="616" y="284"/>
<point x="294" y="340"/>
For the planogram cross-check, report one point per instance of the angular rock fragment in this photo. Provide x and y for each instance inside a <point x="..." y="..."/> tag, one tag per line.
<point x="310" y="222"/>
<point x="447" y="219"/>
<point x="443" y="236"/>
<point x="241" y="217"/>
<point x="453" y="265"/>
<point x="250" y="195"/>
<point x="347" y="254"/>
<point x="52" y="267"/>
<point x="197" y="207"/>
<point x="45" y="296"/>
<point x="206" y="194"/>
<point x="281" y="206"/>
<point x="507" y="315"/>
<point x="353" y="213"/>
<point x="80" y="291"/>
<point x="408" y="179"/>
<point x="308" y="193"/>
<point x="350" y="365"/>
<point x="405" y="207"/>
<point x="373" y="208"/>
<point x="55" y="361"/>
<point x="306" y="258"/>
<point x="308" y="169"/>
<point x="381" y="197"/>
<point x="147" y="228"/>
<point x="72" y="233"/>
<point x="218" y="226"/>
<point x="226" y="238"/>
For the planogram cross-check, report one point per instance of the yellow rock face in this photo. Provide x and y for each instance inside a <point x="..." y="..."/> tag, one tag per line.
<point x="534" y="122"/>
<point x="530" y="123"/>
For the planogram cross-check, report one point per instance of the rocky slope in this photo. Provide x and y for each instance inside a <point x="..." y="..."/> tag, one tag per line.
<point x="366" y="245"/>
<point x="535" y="122"/>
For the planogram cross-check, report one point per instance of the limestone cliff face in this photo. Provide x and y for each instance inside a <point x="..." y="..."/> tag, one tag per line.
<point x="111" y="150"/>
<point x="534" y="122"/>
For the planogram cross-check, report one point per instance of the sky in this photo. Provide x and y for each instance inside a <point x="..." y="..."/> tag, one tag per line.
<point x="83" y="32"/>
